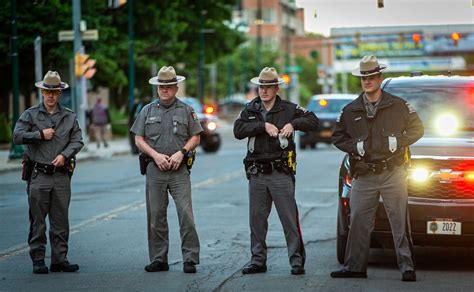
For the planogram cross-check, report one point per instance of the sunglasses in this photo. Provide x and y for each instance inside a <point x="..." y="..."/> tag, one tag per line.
<point x="52" y="92"/>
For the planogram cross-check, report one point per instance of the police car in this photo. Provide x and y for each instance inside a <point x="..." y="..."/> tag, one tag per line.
<point x="441" y="174"/>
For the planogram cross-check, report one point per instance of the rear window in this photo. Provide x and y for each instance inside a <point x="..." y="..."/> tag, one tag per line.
<point x="327" y="105"/>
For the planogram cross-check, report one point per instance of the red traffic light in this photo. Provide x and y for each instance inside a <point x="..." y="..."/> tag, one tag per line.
<point x="416" y="37"/>
<point x="455" y="36"/>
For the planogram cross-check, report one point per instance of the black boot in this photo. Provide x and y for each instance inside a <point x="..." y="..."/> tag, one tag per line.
<point x="189" y="267"/>
<point x="348" y="274"/>
<point x="157" y="267"/>
<point x="64" y="267"/>
<point x="254" y="269"/>
<point x="39" y="267"/>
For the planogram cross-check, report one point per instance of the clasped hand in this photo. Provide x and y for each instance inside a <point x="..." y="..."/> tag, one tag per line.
<point x="165" y="162"/>
<point x="273" y="131"/>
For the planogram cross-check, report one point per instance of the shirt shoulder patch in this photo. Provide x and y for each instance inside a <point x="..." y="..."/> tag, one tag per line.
<point x="194" y="115"/>
<point x="301" y="108"/>
<point x="411" y="109"/>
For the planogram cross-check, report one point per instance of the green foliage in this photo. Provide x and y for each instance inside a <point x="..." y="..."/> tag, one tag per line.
<point x="308" y="78"/>
<point x="237" y="69"/>
<point x="119" y="122"/>
<point x="165" y="32"/>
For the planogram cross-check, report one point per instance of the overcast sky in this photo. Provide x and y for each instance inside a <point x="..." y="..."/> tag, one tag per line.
<point x="354" y="13"/>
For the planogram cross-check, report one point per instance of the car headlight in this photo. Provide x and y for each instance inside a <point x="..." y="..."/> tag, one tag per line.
<point x="419" y="175"/>
<point x="446" y="124"/>
<point x="211" y="126"/>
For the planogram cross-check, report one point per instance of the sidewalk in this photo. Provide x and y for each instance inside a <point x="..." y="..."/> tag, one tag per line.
<point x="90" y="151"/>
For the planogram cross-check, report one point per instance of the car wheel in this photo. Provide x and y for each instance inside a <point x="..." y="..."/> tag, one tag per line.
<point x="208" y="147"/>
<point x="313" y="145"/>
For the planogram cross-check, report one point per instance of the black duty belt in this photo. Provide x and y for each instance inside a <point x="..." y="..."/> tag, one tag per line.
<point x="389" y="163"/>
<point x="267" y="167"/>
<point x="49" y="169"/>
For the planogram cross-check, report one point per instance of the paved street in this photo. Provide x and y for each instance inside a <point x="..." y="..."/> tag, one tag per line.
<point x="108" y="233"/>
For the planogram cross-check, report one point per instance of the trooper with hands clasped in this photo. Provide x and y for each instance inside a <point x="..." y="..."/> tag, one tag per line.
<point x="167" y="130"/>
<point x="269" y="123"/>
<point x="52" y="137"/>
<point x="376" y="130"/>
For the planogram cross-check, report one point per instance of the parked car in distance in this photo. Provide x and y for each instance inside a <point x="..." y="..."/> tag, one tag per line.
<point x="327" y="108"/>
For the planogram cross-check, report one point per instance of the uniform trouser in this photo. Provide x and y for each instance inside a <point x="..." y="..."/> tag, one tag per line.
<point x="49" y="195"/>
<point x="279" y="188"/>
<point x="366" y="189"/>
<point x="178" y="184"/>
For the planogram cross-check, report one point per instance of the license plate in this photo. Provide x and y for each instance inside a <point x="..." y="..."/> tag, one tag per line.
<point x="326" y="133"/>
<point x="443" y="226"/>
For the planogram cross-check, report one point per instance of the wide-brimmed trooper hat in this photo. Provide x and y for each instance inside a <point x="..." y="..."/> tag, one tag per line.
<point x="369" y="65"/>
<point x="52" y="81"/>
<point x="268" y="76"/>
<point x="166" y="76"/>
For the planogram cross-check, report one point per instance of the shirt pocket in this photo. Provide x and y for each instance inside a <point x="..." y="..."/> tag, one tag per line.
<point x="153" y="127"/>
<point x="180" y="126"/>
<point x="390" y="140"/>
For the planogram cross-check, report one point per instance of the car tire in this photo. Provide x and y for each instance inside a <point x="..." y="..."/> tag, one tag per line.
<point x="207" y="147"/>
<point x="313" y="145"/>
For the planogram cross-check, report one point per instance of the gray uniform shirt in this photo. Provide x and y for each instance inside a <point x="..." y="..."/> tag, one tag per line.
<point x="167" y="130"/>
<point x="67" y="139"/>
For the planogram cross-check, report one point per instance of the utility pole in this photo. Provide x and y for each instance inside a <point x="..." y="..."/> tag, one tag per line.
<point x="259" y="22"/>
<point x="80" y="88"/>
<point x="131" y="60"/>
<point x="201" y="51"/>
<point x="16" y="151"/>
<point x="38" y="65"/>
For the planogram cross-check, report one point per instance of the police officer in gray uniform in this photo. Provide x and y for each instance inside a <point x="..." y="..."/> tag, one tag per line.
<point x="166" y="130"/>
<point x="269" y="124"/>
<point x="375" y="130"/>
<point x="52" y="137"/>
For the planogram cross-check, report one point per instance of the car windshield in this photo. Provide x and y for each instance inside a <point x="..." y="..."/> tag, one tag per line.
<point x="192" y="102"/>
<point x="440" y="106"/>
<point x="327" y="105"/>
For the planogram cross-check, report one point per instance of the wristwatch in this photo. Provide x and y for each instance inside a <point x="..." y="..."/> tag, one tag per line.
<point x="184" y="150"/>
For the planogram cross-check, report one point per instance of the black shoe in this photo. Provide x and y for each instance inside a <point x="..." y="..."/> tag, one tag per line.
<point x="189" y="267"/>
<point x="297" y="270"/>
<point x="39" y="267"/>
<point x="157" y="267"/>
<point x="254" y="269"/>
<point x="348" y="274"/>
<point x="409" y="276"/>
<point x="64" y="267"/>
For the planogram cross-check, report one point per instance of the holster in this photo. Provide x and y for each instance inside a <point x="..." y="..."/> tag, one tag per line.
<point x="71" y="166"/>
<point x="27" y="168"/>
<point x="143" y="160"/>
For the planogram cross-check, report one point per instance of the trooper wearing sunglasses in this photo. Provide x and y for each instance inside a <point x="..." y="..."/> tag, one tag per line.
<point x="52" y="137"/>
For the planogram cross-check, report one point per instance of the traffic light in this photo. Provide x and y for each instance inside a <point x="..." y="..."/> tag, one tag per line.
<point x="84" y="66"/>
<point x="455" y="36"/>
<point x="416" y="37"/>
<point x="287" y="79"/>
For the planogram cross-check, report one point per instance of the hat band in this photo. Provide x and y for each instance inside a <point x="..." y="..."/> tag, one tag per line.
<point x="268" y="81"/>
<point x="52" y="86"/>
<point x="377" y="69"/>
<point x="168" y="80"/>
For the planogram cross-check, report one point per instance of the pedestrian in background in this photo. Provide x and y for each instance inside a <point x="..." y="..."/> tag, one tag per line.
<point x="100" y="118"/>
<point x="166" y="130"/>
<point x="375" y="130"/>
<point x="52" y="137"/>
<point x="269" y="123"/>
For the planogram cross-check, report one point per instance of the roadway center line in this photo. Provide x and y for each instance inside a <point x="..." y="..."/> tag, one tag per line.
<point x="23" y="247"/>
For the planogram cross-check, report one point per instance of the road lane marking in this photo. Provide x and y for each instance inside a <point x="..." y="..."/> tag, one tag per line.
<point x="21" y="248"/>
